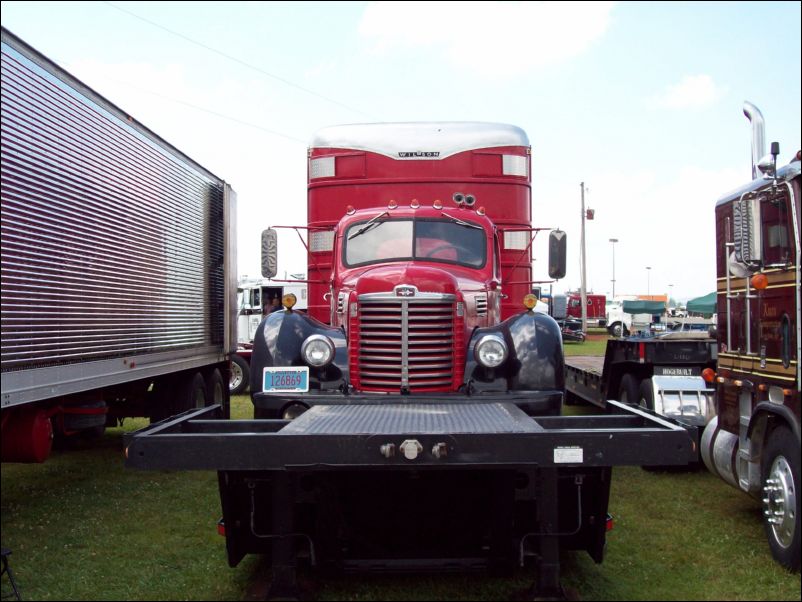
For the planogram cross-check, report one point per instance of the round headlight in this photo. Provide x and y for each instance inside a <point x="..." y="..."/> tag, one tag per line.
<point x="491" y="351"/>
<point x="317" y="350"/>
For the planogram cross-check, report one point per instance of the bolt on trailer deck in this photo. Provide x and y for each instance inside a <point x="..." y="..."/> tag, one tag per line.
<point x="117" y="264"/>
<point x="412" y="419"/>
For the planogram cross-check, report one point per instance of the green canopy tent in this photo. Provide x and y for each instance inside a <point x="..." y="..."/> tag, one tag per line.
<point x="703" y="305"/>
<point x="654" y="308"/>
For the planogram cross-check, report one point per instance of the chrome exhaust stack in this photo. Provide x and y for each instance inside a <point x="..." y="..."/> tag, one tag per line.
<point x="758" y="135"/>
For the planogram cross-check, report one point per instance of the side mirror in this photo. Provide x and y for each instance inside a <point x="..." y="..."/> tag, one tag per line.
<point x="269" y="253"/>
<point x="748" y="243"/>
<point x="558" y="243"/>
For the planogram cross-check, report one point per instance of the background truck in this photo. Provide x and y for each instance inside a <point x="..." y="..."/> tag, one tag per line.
<point x="412" y="419"/>
<point x="255" y="297"/>
<point x="117" y="264"/>
<point x="572" y="302"/>
<point x="661" y="373"/>
<point x="754" y="442"/>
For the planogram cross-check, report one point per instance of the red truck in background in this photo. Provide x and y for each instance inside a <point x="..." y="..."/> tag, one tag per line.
<point x="754" y="442"/>
<point x="572" y="302"/>
<point x="411" y="419"/>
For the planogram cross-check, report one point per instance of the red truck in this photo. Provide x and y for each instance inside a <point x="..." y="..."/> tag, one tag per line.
<point x="597" y="306"/>
<point x="411" y="420"/>
<point x="754" y="442"/>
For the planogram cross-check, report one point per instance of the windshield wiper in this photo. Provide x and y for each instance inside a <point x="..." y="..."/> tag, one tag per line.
<point x="368" y="226"/>
<point x="459" y="222"/>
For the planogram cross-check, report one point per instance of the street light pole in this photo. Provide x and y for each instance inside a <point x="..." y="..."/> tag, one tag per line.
<point x="583" y="292"/>
<point x="648" y="281"/>
<point x="613" y="240"/>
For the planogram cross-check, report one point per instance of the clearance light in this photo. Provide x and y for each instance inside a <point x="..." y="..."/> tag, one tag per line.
<point x="530" y="301"/>
<point x="739" y="383"/>
<point x="709" y="375"/>
<point x="721" y="380"/>
<point x="481" y="211"/>
<point x="289" y="300"/>
<point x="762" y="388"/>
<point x="414" y="204"/>
<point x="322" y="167"/>
<point x="514" y="165"/>
<point x="438" y="204"/>
<point x="760" y="282"/>
<point x="788" y="392"/>
<point x="392" y="204"/>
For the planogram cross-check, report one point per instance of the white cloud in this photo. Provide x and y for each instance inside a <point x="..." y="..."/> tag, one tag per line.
<point x="495" y="39"/>
<point x="693" y="92"/>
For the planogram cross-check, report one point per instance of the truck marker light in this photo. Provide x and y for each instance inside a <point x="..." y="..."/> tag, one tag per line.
<point x="709" y="375"/>
<point x="760" y="282"/>
<point x="414" y="203"/>
<point x="392" y="204"/>
<point x="481" y="211"/>
<point x="289" y="300"/>
<point x="438" y="204"/>
<point x="349" y="210"/>
<point x="530" y="301"/>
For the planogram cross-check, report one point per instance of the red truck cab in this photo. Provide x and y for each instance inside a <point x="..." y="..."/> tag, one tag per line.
<point x="419" y="259"/>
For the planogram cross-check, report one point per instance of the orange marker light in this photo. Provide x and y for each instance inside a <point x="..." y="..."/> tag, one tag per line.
<point x="760" y="281"/>
<point x="289" y="300"/>
<point x="530" y="301"/>
<point x="709" y="375"/>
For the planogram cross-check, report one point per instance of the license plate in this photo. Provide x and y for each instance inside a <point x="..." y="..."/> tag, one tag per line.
<point x="285" y="380"/>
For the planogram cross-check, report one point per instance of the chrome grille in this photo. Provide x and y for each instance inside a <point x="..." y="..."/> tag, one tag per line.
<point x="406" y="343"/>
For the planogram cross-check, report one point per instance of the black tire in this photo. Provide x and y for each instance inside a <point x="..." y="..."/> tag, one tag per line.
<point x="780" y="478"/>
<point x="617" y="329"/>
<point x="646" y="395"/>
<point x="215" y="388"/>
<point x="240" y="375"/>
<point x="177" y="394"/>
<point x="628" y="389"/>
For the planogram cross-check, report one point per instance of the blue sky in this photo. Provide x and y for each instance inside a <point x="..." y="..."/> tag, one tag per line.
<point x="641" y="101"/>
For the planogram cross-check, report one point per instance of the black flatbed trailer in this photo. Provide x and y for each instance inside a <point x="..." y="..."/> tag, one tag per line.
<point x="413" y="486"/>
<point x="650" y="371"/>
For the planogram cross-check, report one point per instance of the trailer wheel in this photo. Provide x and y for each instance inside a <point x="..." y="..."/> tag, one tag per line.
<point x="628" y="389"/>
<point x="240" y="375"/>
<point x="646" y="395"/>
<point x="781" y="499"/>
<point x="617" y="329"/>
<point x="214" y="388"/>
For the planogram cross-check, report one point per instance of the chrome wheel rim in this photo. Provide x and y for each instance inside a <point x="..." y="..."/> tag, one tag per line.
<point x="779" y="502"/>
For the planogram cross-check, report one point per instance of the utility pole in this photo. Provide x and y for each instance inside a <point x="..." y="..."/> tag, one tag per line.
<point x="583" y="290"/>
<point x="613" y="241"/>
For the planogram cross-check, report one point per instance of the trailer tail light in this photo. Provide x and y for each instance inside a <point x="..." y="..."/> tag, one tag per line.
<point x="322" y="167"/>
<point x="221" y="527"/>
<point x="642" y="352"/>
<point x="514" y="165"/>
<point x="610" y="523"/>
<point x="760" y="281"/>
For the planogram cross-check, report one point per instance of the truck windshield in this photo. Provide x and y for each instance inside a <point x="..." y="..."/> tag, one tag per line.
<point x="423" y="239"/>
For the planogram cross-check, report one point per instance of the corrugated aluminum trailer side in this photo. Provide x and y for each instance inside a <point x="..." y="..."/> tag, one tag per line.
<point x="118" y="262"/>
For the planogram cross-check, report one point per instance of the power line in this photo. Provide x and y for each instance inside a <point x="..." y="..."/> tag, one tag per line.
<point x="239" y="61"/>
<point x="205" y="110"/>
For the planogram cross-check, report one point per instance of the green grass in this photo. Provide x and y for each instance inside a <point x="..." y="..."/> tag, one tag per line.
<point x="81" y="526"/>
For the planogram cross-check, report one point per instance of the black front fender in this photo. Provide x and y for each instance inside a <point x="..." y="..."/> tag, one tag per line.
<point x="278" y="342"/>
<point x="535" y="360"/>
